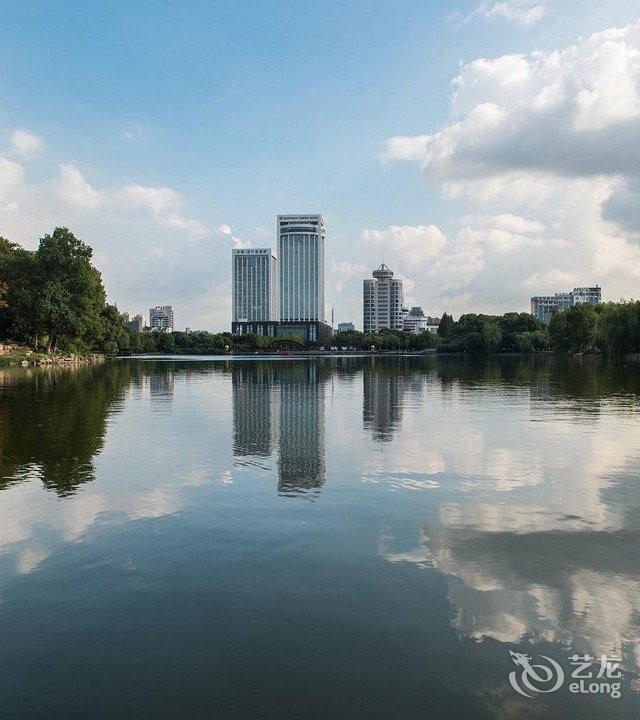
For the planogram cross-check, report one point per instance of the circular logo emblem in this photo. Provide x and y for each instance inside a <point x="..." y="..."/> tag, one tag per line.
<point x="530" y="679"/>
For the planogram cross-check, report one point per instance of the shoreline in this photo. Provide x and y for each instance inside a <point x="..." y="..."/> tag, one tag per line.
<point x="380" y="353"/>
<point x="12" y="355"/>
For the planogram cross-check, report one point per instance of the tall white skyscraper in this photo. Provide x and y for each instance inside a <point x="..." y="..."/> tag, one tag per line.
<point x="383" y="300"/>
<point x="254" y="285"/>
<point x="301" y="262"/>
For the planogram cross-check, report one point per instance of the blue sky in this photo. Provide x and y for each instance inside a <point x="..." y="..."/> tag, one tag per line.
<point x="166" y="133"/>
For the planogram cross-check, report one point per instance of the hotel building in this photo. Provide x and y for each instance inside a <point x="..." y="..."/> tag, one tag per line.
<point x="383" y="300"/>
<point x="301" y="264"/>
<point x="254" y="285"/>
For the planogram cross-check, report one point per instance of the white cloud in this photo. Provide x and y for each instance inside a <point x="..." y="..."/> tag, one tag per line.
<point x="546" y="145"/>
<point x="236" y="242"/>
<point x="26" y="144"/>
<point x="547" y="282"/>
<point x="414" y="244"/>
<point x="132" y="132"/>
<point x="193" y="228"/>
<point x="73" y="189"/>
<point x="11" y="178"/>
<point x="503" y="233"/>
<point x="344" y="271"/>
<point x="158" y="200"/>
<point x="572" y="113"/>
<point x="513" y="224"/>
<point x="163" y="203"/>
<point x="518" y="12"/>
<point x="405" y="147"/>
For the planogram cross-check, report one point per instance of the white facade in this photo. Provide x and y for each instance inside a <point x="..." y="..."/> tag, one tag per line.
<point x="383" y="300"/>
<point x="254" y="285"/>
<point x="416" y="322"/>
<point x="544" y="307"/>
<point x="592" y="295"/>
<point x="161" y="318"/>
<point x="301" y="264"/>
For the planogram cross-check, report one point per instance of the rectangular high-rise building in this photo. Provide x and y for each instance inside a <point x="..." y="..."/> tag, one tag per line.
<point x="301" y="264"/>
<point x="254" y="285"/>
<point x="383" y="301"/>
<point x="161" y="318"/>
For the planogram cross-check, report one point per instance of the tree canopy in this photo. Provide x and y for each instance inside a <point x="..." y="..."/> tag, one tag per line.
<point x="55" y="297"/>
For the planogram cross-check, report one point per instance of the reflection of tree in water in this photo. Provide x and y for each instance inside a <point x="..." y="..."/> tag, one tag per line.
<point x="53" y="422"/>
<point x="550" y="378"/>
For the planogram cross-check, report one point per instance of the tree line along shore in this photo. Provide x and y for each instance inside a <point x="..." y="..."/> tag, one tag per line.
<point x="53" y="307"/>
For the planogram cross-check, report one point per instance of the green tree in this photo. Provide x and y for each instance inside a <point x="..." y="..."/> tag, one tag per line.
<point x="445" y="328"/>
<point x="516" y="329"/>
<point x="113" y="336"/>
<point x="19" y="319"/>
<point x="573" y="330"/>
<point x="618" y="327"/>
<point x="70" y="293"/>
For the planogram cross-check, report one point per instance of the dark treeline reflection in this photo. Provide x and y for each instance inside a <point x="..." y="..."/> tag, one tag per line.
<point x="53" y="422"/>
<point x="556" y="378"/>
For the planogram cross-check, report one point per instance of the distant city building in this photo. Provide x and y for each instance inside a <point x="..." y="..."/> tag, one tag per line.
<point x="161" y="318"/>
<point x="136" y="323"/>
<point x="346" y="327"/>
<point x="415" y="321"/>
<point x="544" y="307"/>
<point x="254" y="285"/>
<point x="383" y="300"/>
<point x="590" y="295"/>
<point x="301" y="265"/>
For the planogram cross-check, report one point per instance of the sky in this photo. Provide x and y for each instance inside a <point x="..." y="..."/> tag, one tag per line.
<point x="486" y="150"/>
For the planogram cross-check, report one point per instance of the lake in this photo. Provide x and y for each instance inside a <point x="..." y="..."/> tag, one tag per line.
<point x="348" y="537"/>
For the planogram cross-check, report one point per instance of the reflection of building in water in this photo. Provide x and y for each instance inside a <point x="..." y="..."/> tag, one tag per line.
<point x="254" y="409"/>
<point x="383" y="390"/>
<point x="161" y="383"/>
<point x="301" y="460"/>
<point x="281" y="404"/>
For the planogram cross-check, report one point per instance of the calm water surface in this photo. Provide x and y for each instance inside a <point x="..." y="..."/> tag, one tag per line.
<point x="317" y="538"/>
